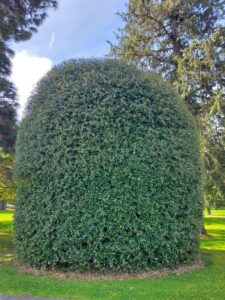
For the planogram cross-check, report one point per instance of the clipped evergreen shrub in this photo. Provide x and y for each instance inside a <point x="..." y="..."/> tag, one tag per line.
<point x="108" y="170"/>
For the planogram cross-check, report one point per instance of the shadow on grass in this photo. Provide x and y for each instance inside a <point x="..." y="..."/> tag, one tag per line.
<point x="216" y="228"/>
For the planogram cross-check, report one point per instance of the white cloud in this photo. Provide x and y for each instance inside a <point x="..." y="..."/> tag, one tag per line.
<point x="27" y="70"/>
<point x="51" y="41"/>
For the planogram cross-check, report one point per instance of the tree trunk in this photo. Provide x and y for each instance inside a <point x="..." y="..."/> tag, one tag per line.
<point x="209" y="210"/>
<point x="204" y="232"/>
<point x="2" y="205"/>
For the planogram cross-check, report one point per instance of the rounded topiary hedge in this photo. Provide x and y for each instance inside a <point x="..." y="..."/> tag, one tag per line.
<point x="108" y="171"/>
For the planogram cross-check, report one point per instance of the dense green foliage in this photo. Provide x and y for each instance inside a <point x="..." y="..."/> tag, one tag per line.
<point x="108" y="170"/>
<point x="8" y="105"/>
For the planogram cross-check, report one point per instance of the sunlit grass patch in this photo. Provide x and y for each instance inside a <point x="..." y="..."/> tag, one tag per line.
<point x="6" y="236"/>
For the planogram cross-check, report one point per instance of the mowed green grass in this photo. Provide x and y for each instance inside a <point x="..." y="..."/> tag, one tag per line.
<point x="6" y="236"/>
<point x="208" y="283"/>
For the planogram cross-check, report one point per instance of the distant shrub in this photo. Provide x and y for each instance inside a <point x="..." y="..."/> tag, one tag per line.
<point x="108" y="171"/>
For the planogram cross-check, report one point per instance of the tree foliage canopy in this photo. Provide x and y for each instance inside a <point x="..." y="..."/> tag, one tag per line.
<point x="7" y="115"/>
<point x="7" y="185"/>
<point x="108" y="170"/>
<point x="156" y="32"/>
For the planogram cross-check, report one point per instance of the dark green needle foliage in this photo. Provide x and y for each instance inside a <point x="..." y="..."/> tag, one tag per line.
<point x="108" y="171"/>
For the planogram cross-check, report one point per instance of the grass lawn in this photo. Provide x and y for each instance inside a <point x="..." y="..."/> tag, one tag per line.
<point x="208" y="283"/>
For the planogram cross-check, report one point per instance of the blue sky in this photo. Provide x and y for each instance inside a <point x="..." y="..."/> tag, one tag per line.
<point x="78" y="28"/>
